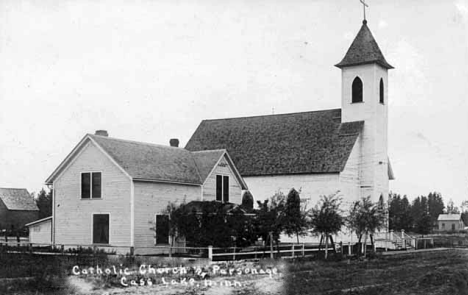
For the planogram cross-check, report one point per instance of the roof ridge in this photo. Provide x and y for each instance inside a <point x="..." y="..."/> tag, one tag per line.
<point x="140" y="142"/>
<point x="273" y="115"/>
<point x="205" y="151"/>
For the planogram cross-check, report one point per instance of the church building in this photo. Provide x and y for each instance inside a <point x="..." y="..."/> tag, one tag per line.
<point x="317" y="152"/>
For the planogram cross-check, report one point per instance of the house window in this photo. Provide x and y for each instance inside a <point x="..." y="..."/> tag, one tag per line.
<point x="100" y="228"/>
<point x="357" y="90"/>
<point x="381" y="91"/>
<point x="222" y="188"/>
<point x="162" y="229"/>
<point x="91" y="185"/>
<point x="443" y="225"/>
<point x="453" y="226"/>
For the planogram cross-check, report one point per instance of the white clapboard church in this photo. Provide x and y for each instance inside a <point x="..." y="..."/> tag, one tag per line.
<point x="319" y="152"/>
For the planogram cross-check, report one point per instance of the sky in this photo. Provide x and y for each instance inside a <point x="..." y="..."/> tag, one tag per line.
<point x="153" y="70"/>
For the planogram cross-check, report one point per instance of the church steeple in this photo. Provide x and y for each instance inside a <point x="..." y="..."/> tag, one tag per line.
<point x="364" y="50"/>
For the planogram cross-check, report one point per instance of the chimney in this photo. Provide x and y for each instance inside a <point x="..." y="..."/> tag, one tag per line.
<point x="174" y="142"/>
<point x="101" y="133"/>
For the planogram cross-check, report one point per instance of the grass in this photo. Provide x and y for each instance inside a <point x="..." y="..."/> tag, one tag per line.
<point x="441" y="272"/>
<point x="438" y="272"/>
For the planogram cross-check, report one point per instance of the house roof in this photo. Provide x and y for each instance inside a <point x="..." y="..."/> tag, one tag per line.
<point x="17" y="199"/>
<point x="147" y="161"/>
<point x="297" y="143"/>
<point x="206" y="161"/>
<point x="449" y="217"/>
<point x="152" y="162"/>
<point x="364" y="50"/>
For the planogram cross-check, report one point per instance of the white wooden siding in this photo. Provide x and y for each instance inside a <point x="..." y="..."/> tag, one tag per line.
<point x="312" y="186"/>
<point x="73" y="224"/>
<point x="350" y="176"/>
<point x="235" y="189"/>
<point x="151" y="199"/>
<point x="40" y="232"/>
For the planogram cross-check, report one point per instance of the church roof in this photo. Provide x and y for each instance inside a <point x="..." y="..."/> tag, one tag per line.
<point x="364" y="50"/>
<point x="17" y="199"/>
<point x="297" y="143"/>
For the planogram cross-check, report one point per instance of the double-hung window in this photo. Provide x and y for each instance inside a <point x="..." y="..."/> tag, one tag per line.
<point x="91" y="185"/>
<point x="222" y="188"/>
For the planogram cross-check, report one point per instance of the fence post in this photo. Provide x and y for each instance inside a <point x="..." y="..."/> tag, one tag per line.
<point x="234" y="256"/>
<point x="292" y="252"/>
<point x="391" y="235"/>
<point x="30" y="247"/>
<point x="210" y="253"/>
<point x="271" y="245"/>
<point x="62" y="249"/>
<point x="303" y="246"/>
<point x="349" y="248"/>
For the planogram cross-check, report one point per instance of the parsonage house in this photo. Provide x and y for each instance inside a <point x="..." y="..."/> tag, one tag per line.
<point x="112" y="192"/>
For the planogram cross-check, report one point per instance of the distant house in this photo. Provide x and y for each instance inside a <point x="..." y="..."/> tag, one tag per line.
<point x="450" y="222"/>
<point x="112" y="192"/>
<point x="17" y="208"/>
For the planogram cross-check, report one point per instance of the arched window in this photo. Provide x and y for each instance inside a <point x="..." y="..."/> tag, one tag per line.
<point x="357" y="90"/>
<point x="381" y="91"/>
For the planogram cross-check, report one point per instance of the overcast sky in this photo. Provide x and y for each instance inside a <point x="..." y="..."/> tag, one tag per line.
<point x="153" y="70"/>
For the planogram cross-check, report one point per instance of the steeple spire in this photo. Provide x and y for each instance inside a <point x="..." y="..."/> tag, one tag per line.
<point x="364" y="50"/>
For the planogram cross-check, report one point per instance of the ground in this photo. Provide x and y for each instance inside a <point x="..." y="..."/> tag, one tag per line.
<point x="431" y="272"/>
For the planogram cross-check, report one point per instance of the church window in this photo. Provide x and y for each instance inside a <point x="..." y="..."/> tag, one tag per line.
<point x="381" y="91"/>
<point x="357" y="90"/>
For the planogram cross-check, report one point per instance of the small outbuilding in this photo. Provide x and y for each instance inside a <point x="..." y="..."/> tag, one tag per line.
<point x="40" y="231"/>
<point x="17" y="208"/>
<point x="450" y="222"/>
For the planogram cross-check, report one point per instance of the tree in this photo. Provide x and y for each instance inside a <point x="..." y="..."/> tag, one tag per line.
<point x="270" y="218"/>
<point x="294" y="221"/>
<point x="399" y="213"/>
<point x="436" y="206"/>
<point x="365" y="219"/>
<point x="247" y="200"/>
<point x="420" y="211"/>
<point x="44" y="203"/>
<point x="326" y="219"/>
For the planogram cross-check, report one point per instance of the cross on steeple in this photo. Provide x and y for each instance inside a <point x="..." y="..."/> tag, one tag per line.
<point x="364" y="5"/>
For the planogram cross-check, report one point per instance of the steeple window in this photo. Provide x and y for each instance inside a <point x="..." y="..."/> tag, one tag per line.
<point x="357" y="90"/>
<point x="381" y="92"/>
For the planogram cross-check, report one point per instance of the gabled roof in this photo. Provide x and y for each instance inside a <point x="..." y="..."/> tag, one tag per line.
<point x="364" y="50"/>
<point x="298" y="143"/>
<point x="17" y="199"/>
<point x="146" y="161"/>
<point x="151" y="162"/>
<point x="206" y="161"/>
<point x="449" y="217"/>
